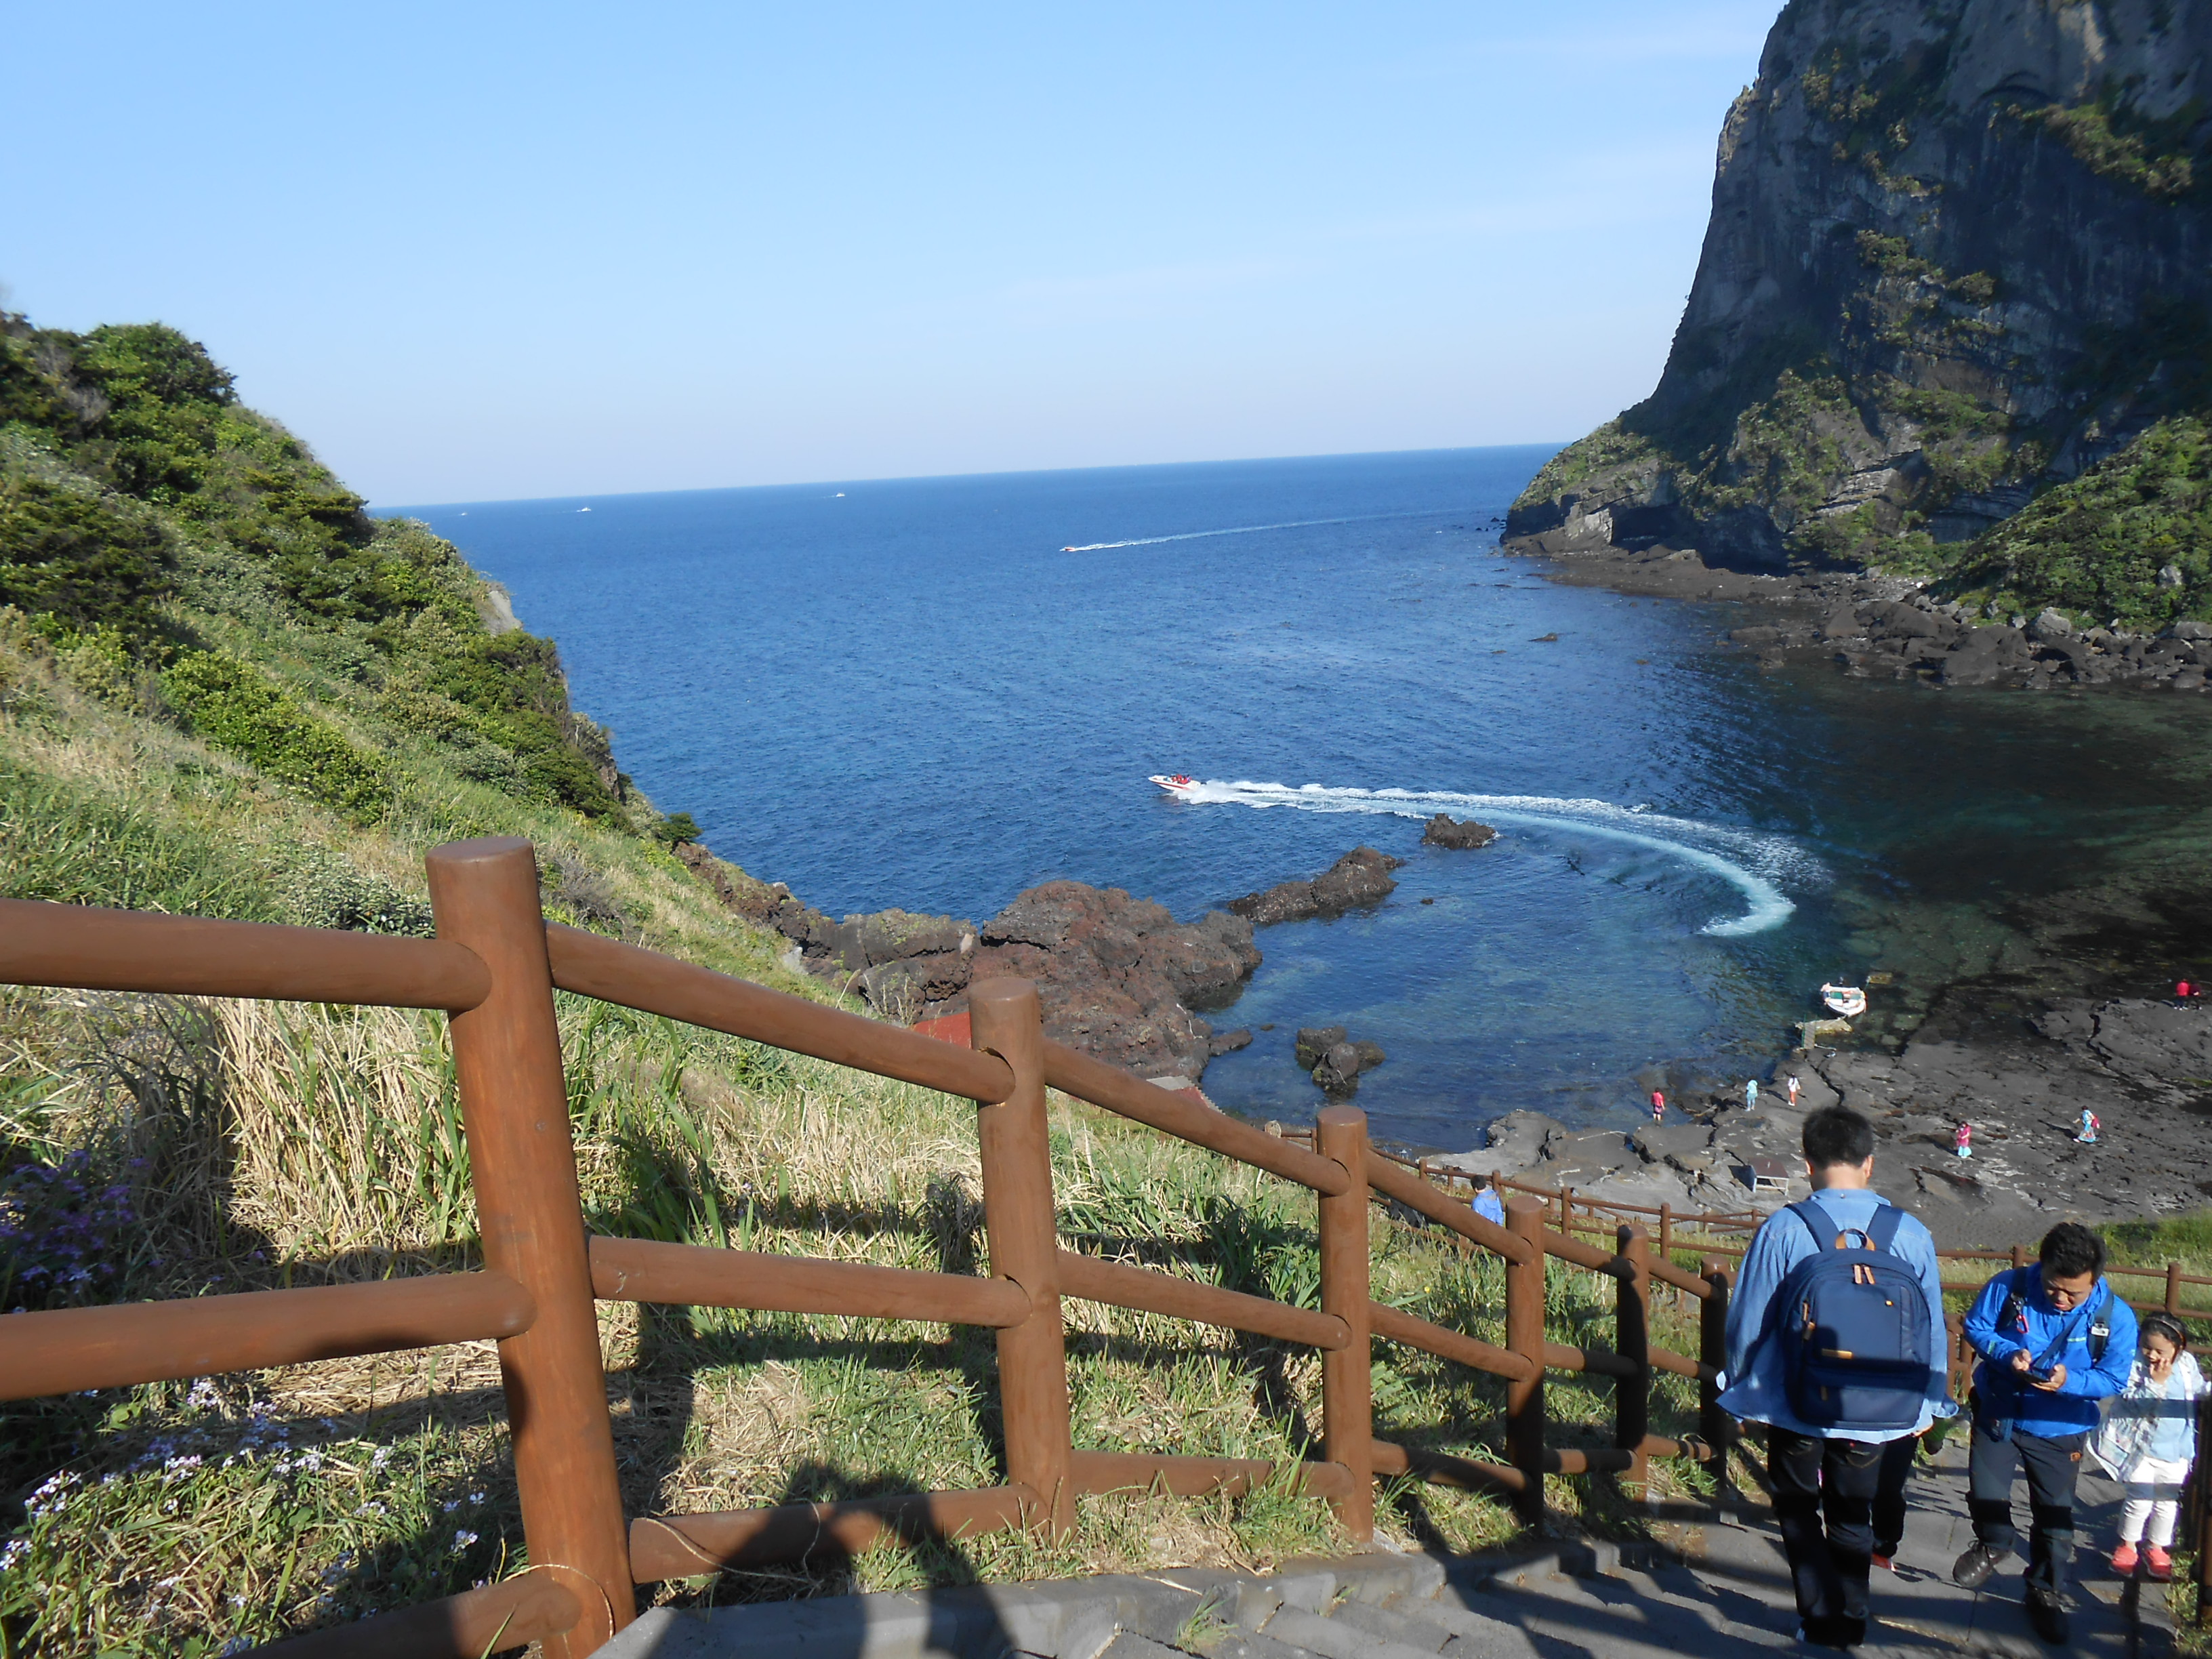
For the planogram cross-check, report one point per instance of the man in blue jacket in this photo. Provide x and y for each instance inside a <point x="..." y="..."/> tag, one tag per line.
<point x="1815" y="1467"/>
<point x="2054" y="1341"/>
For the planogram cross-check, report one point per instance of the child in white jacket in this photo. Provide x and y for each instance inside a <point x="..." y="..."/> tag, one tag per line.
<point x="2149" y="1440"/>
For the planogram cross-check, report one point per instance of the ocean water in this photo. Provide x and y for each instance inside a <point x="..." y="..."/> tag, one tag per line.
<point x="934" y="693"/>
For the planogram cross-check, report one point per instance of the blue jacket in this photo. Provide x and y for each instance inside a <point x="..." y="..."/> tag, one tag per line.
<point x="2071" y="1409"/>
<point x="1757" y="1388"/>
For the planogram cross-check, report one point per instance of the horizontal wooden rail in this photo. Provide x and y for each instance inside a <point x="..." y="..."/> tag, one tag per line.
<point x="654" y="984"/>
<point x="1446" y="1344"/>
<point x="509" y="1614"/>
<point x="1658" y="1445"/>
<point x="1665" y="1359"/>
<point x="1680" y="1278"/>
<point x="1443" y="1469"/>
<point x="699" y="1275"/>
<point x="1593" y="1460"/>
<point x="1416" y="1193"/>
<point x="1585" y="1255"/>
<point x="1124" y="1286"/>
<point x="1601" y="1362"/>
<point x="685" y="1546"/>
<point x="124" y="1344"/>
<point x="1115" y="1090"/>
<point x="1194" y="1477"/>
<point x="92" y="949"/>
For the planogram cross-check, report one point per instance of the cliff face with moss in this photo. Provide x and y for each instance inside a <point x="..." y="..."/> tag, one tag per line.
<point x="1959" y="261"/>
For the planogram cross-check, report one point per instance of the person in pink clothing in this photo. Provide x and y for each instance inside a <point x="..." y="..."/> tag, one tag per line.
<point x="1658" y="1107"/>
<point x="1962" y="1141"/>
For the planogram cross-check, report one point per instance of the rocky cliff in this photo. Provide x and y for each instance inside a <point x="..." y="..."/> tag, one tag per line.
<point x="1956" y="264"/>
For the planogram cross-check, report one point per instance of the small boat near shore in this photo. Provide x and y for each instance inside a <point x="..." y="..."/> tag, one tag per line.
<point x="1176" y="783"/>
<point x="1849" y="1000"/>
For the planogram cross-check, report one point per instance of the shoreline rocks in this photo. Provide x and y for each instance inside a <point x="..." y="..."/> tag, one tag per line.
<point x="1885" y="627"/>
<point x="2143" y="1067"/>
<point x="1361" y="878"/>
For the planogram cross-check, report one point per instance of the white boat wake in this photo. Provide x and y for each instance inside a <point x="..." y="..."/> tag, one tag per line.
<point x="1749" y="862"/>
<point x="1254" y="529"/>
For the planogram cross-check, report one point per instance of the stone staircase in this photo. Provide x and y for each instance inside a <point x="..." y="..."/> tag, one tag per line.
<point x="1714" y="1585"/>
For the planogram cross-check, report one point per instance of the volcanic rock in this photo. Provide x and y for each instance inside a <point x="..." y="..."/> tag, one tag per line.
<point x="1338" y="1071"/>
<point x="1444" y="831"/>
<point x="1315" y="1040"/>
<point x="1361" y="877"/>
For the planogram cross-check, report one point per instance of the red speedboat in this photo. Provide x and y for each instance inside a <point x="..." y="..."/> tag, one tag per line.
<point x="1177" y="783"/>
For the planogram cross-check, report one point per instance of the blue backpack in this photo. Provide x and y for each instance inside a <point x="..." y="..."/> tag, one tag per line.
<point x="1854" y="1329"/>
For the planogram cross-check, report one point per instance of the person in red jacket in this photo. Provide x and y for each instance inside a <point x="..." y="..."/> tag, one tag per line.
<point x="1658" y="1107"/>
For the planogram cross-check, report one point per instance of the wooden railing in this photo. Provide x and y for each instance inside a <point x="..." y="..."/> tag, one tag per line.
<point x="493" y="970"/>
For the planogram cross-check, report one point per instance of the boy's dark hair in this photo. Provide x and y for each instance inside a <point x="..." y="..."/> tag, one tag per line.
<point x="2070" y="1249"/>
<point x="1837" y="1135"/>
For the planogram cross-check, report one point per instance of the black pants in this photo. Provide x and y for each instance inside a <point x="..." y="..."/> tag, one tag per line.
<point x="1897" y="1457"/>
<point x="1835" y="1481"/>
<point x="2052" y="1466"/>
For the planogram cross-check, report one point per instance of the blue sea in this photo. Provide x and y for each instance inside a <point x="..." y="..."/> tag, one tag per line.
<point x="934" y="693"/>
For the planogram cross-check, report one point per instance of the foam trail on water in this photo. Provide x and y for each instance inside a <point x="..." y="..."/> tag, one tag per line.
<point x="1254" y="529"/>
<point x="1748" y="862"/>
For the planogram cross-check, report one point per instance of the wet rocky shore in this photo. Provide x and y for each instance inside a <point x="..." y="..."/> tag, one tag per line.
<point x="2143" y="1067"/>
<point x="1884" y="626"/>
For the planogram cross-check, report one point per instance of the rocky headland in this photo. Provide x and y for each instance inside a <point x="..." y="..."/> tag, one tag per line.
<point x="1946" y="326"/>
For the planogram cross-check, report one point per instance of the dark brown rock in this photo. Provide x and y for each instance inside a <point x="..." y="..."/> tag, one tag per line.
<point x="1361" y="876"/>
<point x="1444" y="831"/>
<point x="1314" y="1042"/>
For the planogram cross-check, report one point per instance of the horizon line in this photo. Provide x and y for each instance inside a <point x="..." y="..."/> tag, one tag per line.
<point x="376" y="510"/>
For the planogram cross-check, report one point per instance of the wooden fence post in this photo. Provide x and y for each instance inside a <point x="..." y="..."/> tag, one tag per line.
<point x="514" y="1105"/>
<point x="1019" y="1216"/>
<point x="1346" y="1374"/>
<point x="1631" y="1395"/>
<point x="1713" y="1423"/>
<point x="2200" y="1514"/>
<point x="1524" y="1336"/>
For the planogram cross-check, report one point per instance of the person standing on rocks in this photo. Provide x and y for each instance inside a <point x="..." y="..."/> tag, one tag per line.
<point x="2054" y="1341"/>
<point x="1793" y="1091"/>
<point x="1751" y="1094"/>
<point x="2086" y="1134"/>
<point x="1658" y="1106"/>
<point x="1962" y="1141"/>
<point x="1832" y="1417"/>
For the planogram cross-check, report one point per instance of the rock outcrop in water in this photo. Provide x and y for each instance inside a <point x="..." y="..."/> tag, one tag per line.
<point x="1961" y="255"/>
<point x="1445" y="830"/>
<point x="1361" y="876"/>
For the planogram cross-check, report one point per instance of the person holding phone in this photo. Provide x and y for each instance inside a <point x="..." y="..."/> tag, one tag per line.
<point x="2054" y="1341"/>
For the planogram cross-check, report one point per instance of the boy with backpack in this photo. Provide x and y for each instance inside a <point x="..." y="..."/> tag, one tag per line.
<point x="1836" y="1342"/>
<point x="2054" y="1341"/>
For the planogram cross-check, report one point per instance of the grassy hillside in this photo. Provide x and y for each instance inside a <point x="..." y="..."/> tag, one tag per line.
<point x="224" y="691"/>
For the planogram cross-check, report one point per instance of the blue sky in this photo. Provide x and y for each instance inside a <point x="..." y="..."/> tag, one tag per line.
<point x="482" y="251"/>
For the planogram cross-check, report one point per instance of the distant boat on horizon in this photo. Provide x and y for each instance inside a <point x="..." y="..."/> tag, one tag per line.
<point x="583" y="509"/>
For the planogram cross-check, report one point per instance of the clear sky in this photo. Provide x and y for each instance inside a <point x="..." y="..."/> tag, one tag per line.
<point x="473" y="252"/>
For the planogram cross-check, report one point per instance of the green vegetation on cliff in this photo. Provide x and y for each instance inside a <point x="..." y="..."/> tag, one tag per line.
<point x="2131" y="538"/>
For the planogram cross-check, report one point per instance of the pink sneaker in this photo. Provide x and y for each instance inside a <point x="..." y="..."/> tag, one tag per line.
<point x="2159" y="1562"/>
<point x="2124" y="1561"/>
